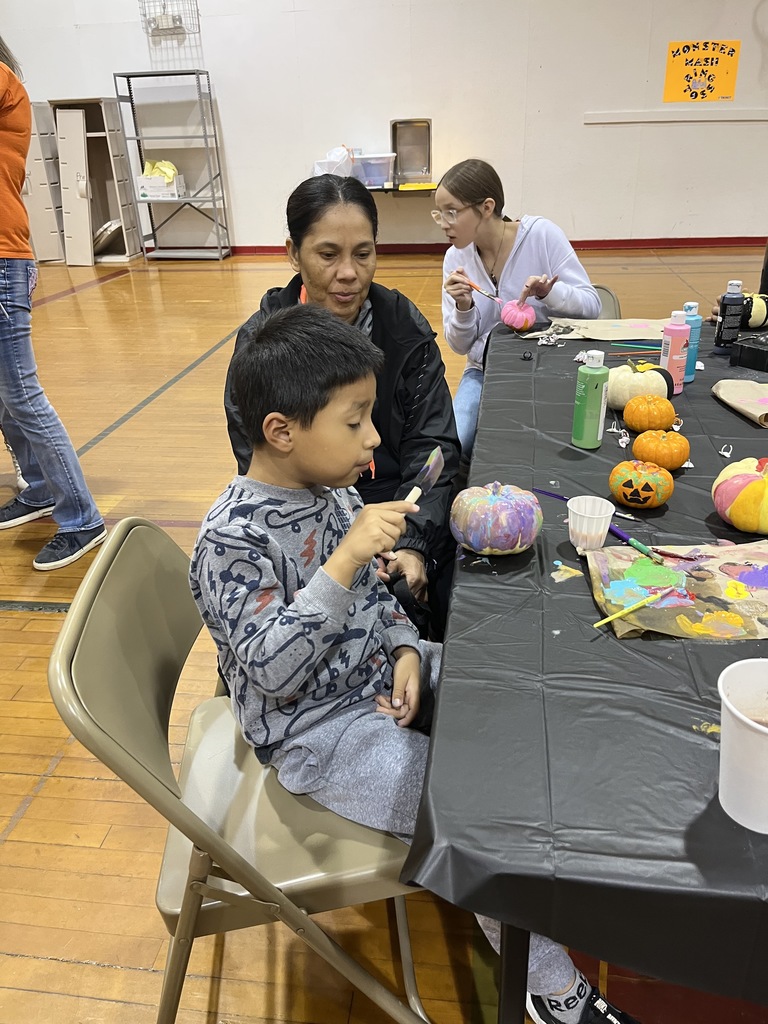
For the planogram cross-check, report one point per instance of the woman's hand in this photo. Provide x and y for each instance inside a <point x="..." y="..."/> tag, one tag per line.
<point x="537" y="286"/>
<point x="403" y="705"/>
<point x="712" y="318"/>
<point x="410" y="565"/>
<point x="458" y="287"/>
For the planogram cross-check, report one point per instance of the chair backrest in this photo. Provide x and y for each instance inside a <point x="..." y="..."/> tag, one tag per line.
<point x="116" y="664"/>
<point x="610" y="302"/>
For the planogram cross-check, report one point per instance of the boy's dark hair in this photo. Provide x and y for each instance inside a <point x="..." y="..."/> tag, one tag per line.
<point x="294" y="362"/>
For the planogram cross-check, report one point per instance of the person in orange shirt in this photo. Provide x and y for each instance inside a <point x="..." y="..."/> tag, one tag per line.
<point x="55" y="485"/>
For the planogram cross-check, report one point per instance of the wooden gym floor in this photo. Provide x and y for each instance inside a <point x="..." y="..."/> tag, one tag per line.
<point x="134" y="357"/>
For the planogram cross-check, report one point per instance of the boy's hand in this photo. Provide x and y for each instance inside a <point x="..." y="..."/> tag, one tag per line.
<point x="458" y="287"/>
<point x="375" y="530"/>
<point x="403" y="705"/>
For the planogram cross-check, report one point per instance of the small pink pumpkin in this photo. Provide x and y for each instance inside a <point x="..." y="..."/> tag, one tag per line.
<point x="498" y="519"/>
<point x="519" y="318"/>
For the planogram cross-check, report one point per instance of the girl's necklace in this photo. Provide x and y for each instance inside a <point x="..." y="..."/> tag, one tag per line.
<point x="491" y="272"/>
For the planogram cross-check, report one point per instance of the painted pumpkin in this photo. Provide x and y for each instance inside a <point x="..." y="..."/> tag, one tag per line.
<point x="498" y="519"/>
<point x="666" y="448"/>
<point x="740" y="494"/>
<point x="625" y="382"/>
<point x="519" y="318"/>
<point x="649" y="412"/>
<point x="640" y="484"/>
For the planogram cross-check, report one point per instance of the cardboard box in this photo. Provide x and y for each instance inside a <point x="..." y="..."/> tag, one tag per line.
<point x="156" y="187"/>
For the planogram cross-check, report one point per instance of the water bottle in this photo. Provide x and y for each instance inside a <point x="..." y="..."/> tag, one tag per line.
<point x="591" y="401"/>
<point x="729" y="317"/>
<point x="694" y="321"/>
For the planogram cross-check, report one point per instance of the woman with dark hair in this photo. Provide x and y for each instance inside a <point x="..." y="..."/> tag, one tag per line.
<point x="332" y="226"/>
<point x="48" y="466"/>
<point x="529" y="259"/>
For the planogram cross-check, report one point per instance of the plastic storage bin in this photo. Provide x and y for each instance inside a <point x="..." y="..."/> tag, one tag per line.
<point x="375" y="169"/>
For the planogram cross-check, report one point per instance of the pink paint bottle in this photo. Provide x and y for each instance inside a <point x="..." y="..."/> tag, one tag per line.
<point x="674" y="349"/>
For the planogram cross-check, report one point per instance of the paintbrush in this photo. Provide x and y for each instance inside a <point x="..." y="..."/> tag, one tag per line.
<point x="484" y="292"/>
<point x="636" y="544"/>
<point x="427" y="476"/>
<point x="634" y="607"/>
<point x="564" y="497"/>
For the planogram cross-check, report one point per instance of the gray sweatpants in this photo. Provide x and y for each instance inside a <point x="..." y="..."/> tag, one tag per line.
<point x="365" y="767"/>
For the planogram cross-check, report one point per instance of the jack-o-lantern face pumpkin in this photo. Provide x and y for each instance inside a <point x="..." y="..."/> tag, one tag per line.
<point x="640" y="484"/>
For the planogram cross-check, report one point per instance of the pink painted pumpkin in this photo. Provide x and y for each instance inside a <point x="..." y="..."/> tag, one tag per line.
<point x="498" y="519"/>
<point x="519" y="318"/>
<point x="740" y="494"/>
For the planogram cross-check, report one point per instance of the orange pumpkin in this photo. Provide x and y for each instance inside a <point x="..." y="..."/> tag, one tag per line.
<point x="640" y="484"/>
<point x="649" y="412"/>
<point x="664" y="447"/>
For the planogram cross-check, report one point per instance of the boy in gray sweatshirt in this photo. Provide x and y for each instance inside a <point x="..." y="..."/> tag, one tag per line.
<point x="326" y="673"/>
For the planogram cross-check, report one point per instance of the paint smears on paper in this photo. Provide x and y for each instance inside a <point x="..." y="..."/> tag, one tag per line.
<point x="723" y="596"/>
<point x="561" y="572"/>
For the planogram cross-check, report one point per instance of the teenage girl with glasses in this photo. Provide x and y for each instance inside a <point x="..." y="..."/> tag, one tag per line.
<point x="529" y="259"/>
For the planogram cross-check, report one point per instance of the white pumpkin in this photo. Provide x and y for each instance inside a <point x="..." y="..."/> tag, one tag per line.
<point x="630" y="380"/>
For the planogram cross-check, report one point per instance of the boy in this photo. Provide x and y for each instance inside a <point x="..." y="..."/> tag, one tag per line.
<point x="324" y="668"/>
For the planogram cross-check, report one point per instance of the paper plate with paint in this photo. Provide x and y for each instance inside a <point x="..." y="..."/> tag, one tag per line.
<point x="722" y="594"/>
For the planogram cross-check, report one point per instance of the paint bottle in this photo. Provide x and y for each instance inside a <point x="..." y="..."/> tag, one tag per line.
<point x="591" y="401"/>
<point x="674" y="349"/>
<point x="729" y="317"/>
<point x="694" y="321"/>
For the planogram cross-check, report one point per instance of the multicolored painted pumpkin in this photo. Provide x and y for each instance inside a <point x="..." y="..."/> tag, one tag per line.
<point x="498" y="519"/>
<point x="518" y="317"/>
<point x="640" y="484"/>
<point x="666" y="448"/>
<point x="740" y="494"/>
<point x="649" y="412"/>
<point x="625" y="382"/>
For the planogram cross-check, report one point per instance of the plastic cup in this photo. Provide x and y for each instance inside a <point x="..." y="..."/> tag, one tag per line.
<point x="588" y="520"/>
<point x="743" y="689"/>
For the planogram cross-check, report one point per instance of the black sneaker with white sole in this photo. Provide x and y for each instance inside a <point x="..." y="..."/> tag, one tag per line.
<point x="65" y="548"/>
<point x="597" y="1010"/>
<point x="16" y="512"/>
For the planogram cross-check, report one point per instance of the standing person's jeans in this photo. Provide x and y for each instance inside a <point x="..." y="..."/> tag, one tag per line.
<point x="33" y="430"/>
<point x="466" y="406"/>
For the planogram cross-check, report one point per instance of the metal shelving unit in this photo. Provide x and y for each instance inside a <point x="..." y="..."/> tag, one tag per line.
<point x="170" y="115"/>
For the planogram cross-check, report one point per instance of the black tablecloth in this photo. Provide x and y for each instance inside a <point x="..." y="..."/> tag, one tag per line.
<point x="572" y="782"/>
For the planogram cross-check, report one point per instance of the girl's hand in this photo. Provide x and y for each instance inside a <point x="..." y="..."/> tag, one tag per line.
<point x="403" y="705"/>
<point x="458" y="287"/>
<point x="537" y="286"/>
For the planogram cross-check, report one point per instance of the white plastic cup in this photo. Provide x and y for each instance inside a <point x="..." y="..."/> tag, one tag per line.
<point x="743" y="689"/>
<point x="588" y="520"/>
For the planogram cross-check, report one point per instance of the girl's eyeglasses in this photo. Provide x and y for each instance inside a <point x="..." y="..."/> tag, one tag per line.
<point x="447" y="216"/>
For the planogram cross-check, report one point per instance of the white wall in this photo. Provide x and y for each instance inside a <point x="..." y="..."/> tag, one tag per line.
<point x="507" y="80"/>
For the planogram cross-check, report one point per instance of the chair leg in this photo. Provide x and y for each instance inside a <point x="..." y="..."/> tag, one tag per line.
<point x="332" y="953"/>
<point x="181" y="941"/>
<point x="406" y="958"/>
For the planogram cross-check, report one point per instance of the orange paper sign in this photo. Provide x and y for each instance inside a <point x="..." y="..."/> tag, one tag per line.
<point x="701" y="70"/>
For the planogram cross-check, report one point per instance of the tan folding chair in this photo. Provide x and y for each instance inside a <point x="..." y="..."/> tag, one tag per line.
<point x="241" y="850"/>
<point x="611" y="306"/>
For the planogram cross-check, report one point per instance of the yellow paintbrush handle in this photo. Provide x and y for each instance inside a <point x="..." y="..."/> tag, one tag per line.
<point x="633" y="607"/>
<point x="414" y="494"/>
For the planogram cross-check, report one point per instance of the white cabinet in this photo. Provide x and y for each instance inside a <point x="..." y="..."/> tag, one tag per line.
<point x="96" y="194"/>
<point x="42" y="193"/>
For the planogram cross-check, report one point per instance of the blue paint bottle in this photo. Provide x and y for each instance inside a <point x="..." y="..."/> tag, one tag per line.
<point x="694" y="321"/>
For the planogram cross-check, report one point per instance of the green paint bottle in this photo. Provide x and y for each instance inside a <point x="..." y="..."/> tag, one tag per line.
<point x="591" y="401"/>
